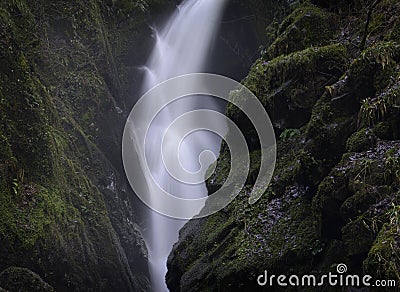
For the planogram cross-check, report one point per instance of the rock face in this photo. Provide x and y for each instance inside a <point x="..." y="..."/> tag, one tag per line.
<point x="65" y="209"/>
<point x="335" y="193"/>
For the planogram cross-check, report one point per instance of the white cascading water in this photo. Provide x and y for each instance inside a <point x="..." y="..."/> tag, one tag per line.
<point x="181" y="48"/>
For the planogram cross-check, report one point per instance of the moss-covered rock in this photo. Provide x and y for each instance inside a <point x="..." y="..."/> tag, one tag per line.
<point x="355" y="198"/>
<point x="306" y="26"/>
<point x="22" y="279"/>
<point x="366" y="138"/>
<point x="383" y="258"/>
<point x="361" y="140"/>
<point x="65" y="210"/>
<point x="235" y="249"/>
<point x="289" y="86"/>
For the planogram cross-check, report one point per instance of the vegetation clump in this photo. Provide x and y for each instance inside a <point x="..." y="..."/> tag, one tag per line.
<point x="306" y="26"/>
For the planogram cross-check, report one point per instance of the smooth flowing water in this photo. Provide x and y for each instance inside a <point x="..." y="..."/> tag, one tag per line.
<point x="181" y="47"/>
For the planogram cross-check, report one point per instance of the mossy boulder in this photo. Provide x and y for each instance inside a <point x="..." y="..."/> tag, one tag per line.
<point x="361" y="140"/>
<point x="306" y="26"/>
<point x="355" y="198"/>
<point x="22" y="279"/>
<point x="372" y="71"/>
<point x="289" y="86"/>
<point x="366" y="138"/>
<point x="383" y="258"/>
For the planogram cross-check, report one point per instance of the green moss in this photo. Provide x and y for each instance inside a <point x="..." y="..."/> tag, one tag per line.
<point x="273" y="75"/>
<point x="363" y="198"/>
<point x="383" y="259"/>
<point x="290" y="232"/>
<point x="289" y="86"/>
<point x="329" y="128"/>
<point x="289" y="133"/>
<point x="22" y="279"/>
<point x="306" y="26"/>
<point x="297" y="165"/>
<point x="377" y="61"/>
<point x="297" y="233"/>
<point x="384" y="20"/>
<point x="378" y="108"/>
<point x="28" y="213"/>
<point x="392" y="166"/>
<point x="361" y="140"/>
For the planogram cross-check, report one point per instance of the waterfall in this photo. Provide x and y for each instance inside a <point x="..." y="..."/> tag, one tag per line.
<point x="181" y="47"/>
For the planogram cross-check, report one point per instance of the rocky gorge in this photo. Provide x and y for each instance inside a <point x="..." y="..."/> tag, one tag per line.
<point x="328" y="74"/>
